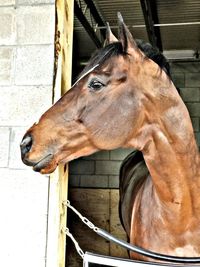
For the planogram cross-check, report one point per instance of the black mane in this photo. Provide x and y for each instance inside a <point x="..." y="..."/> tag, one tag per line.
<point x="115" y="49"/>
<point x="101" y="55"/>
<point x="155" y="55"/>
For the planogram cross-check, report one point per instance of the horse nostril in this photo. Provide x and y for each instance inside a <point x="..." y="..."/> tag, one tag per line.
<point x="26" y="145"/>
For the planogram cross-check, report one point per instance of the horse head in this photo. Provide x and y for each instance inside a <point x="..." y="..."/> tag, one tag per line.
<point x="103" y="110"/>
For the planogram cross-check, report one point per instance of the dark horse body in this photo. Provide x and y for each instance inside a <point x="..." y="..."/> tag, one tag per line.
<point x="124" y="99"/>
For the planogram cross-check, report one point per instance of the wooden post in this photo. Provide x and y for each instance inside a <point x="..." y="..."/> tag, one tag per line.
<point x="57" y="216"/>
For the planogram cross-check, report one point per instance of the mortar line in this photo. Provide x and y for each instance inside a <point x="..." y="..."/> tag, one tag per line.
<point x="17" y="5"/>
<point x="26" y="45"/>
<point x="9" y="146"/>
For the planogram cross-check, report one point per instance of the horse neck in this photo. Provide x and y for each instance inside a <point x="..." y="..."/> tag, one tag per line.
<point x="170" y="152"/>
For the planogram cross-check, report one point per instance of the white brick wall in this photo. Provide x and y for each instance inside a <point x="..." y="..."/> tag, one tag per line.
<point x="4" y="154"/>
<point x="23" y="105"/>
<point x="33" y="22"/>
<point x="35" y="2"/>
<point x="6" y="65"/>
<point x="8" y="21"/>
<point x="26" y="76"/>
<point x="34" y="65"/>
<point x="7" y="2"/>
<point x="23" y="205"/>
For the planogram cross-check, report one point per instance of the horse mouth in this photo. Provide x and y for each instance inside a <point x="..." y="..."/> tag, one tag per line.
<point x="45" y="165"/>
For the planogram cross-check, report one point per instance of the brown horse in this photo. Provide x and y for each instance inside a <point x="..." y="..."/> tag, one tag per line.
<point x="124" y="99"/>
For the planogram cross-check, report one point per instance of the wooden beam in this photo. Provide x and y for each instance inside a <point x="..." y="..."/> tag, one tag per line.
<point x="154" y="11"/>
<point x="83" y="20"/>
<point x="96" y="16"/>
<point x="150" y="14"/>
<point x="56" y="239"/>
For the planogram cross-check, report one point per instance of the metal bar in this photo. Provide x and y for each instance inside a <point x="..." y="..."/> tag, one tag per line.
<point x="96" y="16"/>
<point x="177" y="24"/>
<point x="173" y="60"/>
<point x="147" y="12"/>
<point x="182" y="60"/>
<point x="146" y="252"/>
<point x="83" y="20"/>
<point x="155" y="25"/>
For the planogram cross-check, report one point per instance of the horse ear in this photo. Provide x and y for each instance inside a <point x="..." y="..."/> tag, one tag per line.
<point x="125" y="36"/>
<point x="110" y="38"/>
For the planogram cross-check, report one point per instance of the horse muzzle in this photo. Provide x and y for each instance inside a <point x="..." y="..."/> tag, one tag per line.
<point x="44" y="165"/>
<point x="25" y="146"/>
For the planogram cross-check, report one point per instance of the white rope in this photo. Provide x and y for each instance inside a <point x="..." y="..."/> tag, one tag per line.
<point x="83" y="219"/>
<point x="78" y="249"/>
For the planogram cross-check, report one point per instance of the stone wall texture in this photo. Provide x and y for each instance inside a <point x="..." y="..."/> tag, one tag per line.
<point x="26" y="76"/>
<point x="101" y="170"/>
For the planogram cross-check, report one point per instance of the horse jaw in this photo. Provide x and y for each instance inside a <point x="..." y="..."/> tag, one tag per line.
<point x="46" y="166"/>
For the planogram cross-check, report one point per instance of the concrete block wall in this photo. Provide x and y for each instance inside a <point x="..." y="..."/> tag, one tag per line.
<point x="26" y="76"/>
<point x="101" y="170"/>
<point x="97" y="171"/>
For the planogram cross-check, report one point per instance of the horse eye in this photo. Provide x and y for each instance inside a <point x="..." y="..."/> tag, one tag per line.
<point x="95" y="85"/>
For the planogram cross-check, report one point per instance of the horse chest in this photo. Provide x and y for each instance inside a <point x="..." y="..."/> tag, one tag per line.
<point x="164" y="244"/>
<point x="185" y="251"/>
<point x="148" y="230"/>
